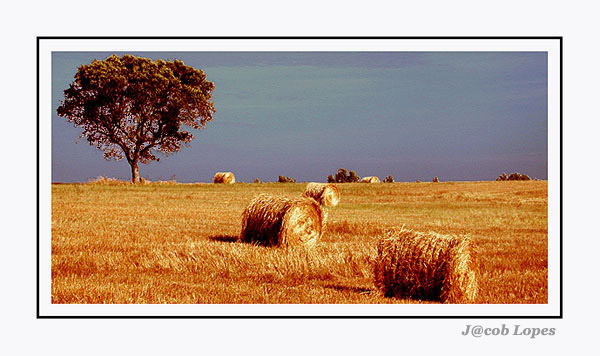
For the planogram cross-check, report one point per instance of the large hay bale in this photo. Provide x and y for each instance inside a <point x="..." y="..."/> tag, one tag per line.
<point x="280" y="221"/>
<point x="326" y="194"/>
<point x="224" y="177"/>
<point x="370" y="180"/>
<point x="427" y="266"/>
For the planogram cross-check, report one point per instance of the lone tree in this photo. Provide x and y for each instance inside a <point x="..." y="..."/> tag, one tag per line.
<point x="133" y="107"/>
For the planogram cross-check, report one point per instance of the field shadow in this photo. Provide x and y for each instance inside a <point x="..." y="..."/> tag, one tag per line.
<point x="224" y="238"/>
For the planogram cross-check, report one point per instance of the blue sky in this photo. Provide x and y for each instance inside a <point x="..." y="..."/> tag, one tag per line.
<point x="413" y="115"/>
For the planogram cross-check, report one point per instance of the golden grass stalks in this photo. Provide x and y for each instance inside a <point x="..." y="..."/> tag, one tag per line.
<point x="427" y="266"/>
<point x="370" y="180"/>
<point x="279" y="221"/>
<point x="101" y="180"/>
<point x="114" y="181"/>
<point x="326" y="194"/>
<point x="224" y="177"/>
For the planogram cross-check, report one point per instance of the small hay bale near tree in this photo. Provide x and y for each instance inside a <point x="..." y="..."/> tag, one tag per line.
<point x="224" y="177"/>
<point x="280" y="221"/>
<point x="428" y="266"/>
<point x="326" y="194"/>
<point x="370" y="180"/>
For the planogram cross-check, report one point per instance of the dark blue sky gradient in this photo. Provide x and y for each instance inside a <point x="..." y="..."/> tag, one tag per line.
<point x="456" y="115"/>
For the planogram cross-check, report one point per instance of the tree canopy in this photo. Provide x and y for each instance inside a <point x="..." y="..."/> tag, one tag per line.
<point x="342" y="176"/>
<point x="131" y="107"/>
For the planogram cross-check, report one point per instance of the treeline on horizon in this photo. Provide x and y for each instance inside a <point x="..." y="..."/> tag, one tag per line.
<point x="342" y="176"/>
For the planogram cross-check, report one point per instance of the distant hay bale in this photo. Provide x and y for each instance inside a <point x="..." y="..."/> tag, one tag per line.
<point x="224" y="177"/>
<point x="370" y="180"/>
<point x="326" y="194"/>
<point x="280" y="221"/>
<point x="427" y="266"/>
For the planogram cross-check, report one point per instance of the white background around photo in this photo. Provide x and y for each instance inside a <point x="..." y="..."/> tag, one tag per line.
<point x="22" y="333"/>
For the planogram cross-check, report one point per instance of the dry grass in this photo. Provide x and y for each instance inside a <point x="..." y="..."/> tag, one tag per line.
<point x="280" y="221"/>
<point x="114" y="181"/>
<point x="326" y="194"/>
<point x="428" y="266"/>
<point x="176" y="243"/>
<point x="101" y="180"/>
<point x="224" y="177"/>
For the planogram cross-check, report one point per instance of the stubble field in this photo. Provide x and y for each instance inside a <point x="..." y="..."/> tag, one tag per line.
<point x="176" y="243"/>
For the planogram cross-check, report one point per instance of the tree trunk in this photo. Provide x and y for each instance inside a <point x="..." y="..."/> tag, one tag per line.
<point x="135" y="172"/>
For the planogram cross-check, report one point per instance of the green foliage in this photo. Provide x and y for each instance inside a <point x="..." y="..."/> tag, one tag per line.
<point x="342" y="176"/>
<point x="131" y="107"/>
<point x="435" y="179"/>
<point x="389" y="179"/>
<point x="518" y="176"/>
<point x="513" y="176"/>
<point x="352" y="177"/>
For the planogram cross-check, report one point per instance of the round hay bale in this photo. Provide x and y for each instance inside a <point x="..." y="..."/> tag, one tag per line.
<point x="326" y="194"/>
<point x="224" y="177"/>
<point x="370" y="180"/>
<point x="427" y="266"/>
<point x="280" y="221"/>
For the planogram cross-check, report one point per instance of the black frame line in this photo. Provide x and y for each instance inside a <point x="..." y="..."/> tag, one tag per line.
<point x="40" y="38"/>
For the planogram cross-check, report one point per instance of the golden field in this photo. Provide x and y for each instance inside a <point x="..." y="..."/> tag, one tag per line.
<point x="176" y="243"/>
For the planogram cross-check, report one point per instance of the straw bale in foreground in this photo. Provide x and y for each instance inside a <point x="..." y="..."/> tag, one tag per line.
<point x="276" y="221"/>
<point x="427" y="266"/>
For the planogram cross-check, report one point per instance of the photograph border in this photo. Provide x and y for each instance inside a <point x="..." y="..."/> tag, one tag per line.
<point x="560" y="197"/>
